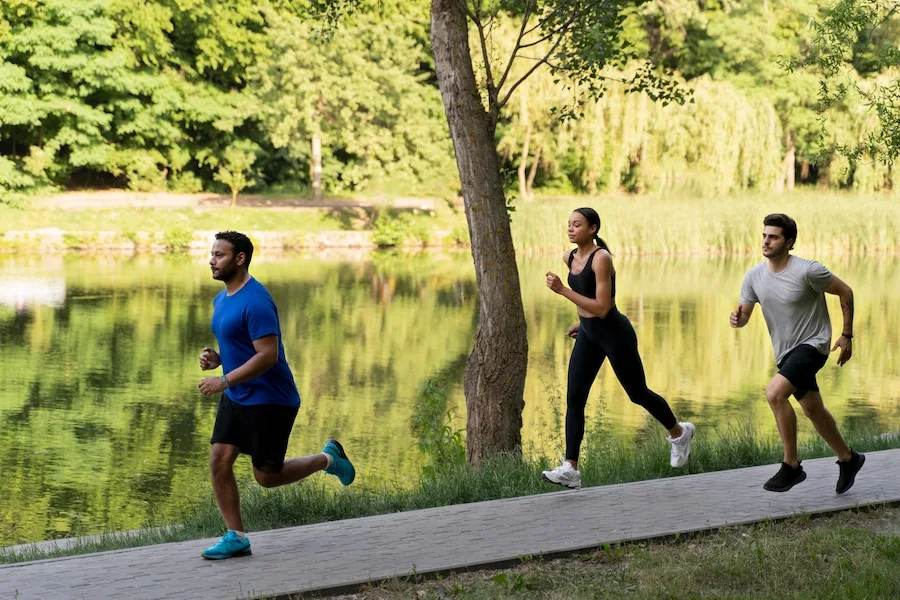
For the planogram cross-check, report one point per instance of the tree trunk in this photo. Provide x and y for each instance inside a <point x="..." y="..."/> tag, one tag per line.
<point x="532" y="172"/>
<point x="495" y="371"/>
<point x="591" y="183"/>
<point x="788" y="167"/>
<point x="315" y="167"/>
<point x="786" y="177"/>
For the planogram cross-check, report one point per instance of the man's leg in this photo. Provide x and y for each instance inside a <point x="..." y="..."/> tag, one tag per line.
<point x="778" y="394"/>
<point x="825" y="424"/>
<point x="221" y="464"/>
<point x="294" y="469"/>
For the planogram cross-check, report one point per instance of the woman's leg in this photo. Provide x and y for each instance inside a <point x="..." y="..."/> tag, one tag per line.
<point x="621" y="346"/>
<point x="584" y="364"/>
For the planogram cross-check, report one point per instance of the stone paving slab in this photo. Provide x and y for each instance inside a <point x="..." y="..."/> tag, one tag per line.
<point x="341" y="555"/>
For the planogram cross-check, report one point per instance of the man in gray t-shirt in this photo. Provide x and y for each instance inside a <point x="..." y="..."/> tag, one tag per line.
<point x="793" y="304"/>
<point x="791" y="291"/>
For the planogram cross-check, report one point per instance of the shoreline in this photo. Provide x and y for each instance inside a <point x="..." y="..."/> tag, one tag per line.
<point x="199" y="242"/>
<point x="54" y="238"/>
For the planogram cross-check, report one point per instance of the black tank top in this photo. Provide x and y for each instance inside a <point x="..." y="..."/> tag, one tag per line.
<point x="585" y="281"/>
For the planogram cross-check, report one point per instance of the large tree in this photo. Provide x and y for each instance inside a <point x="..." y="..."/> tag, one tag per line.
<point x="571" y="37"/>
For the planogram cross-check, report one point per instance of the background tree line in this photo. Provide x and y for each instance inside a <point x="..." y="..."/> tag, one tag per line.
<point x="186" y="95"/>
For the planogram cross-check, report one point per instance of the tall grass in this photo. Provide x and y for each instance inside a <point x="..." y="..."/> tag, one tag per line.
<point x="828" y="223"/>
<point x="833" y="223"/>
<point x="608" y="461"/>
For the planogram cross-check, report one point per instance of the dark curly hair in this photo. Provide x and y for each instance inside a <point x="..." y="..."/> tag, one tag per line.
<point x="240" y="243"/>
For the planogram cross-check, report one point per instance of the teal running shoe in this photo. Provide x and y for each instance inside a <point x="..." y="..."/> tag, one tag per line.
<point x="340" y="464"/>
<point x="230" y="545"/>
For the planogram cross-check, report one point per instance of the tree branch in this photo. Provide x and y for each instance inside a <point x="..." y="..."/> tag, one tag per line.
<point x="541" y="22"/>
<point x="518" y="45"/>
<point x="883" y="20"/>
<point x="544" y="60"/>
<point x="528" y="74"/>
<point x="558" y="31"/>
<point x="493" y="108"/>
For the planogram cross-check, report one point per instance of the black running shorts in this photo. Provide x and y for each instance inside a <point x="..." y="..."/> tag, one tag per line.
<point x="260" y="430"/>
<point x="800" y="367"/>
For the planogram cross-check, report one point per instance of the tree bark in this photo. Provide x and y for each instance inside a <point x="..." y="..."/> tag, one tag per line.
<point x="315" y="167"/>
<point x="494" y="380"/>
<point x="789" y="168"/>
<point x="532" y="172"/>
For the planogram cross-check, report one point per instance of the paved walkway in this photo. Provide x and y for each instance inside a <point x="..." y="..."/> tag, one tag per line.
<point x="343" y="554"/>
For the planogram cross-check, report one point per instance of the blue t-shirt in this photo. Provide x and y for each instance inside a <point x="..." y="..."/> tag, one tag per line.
<point x="250" y="314"/>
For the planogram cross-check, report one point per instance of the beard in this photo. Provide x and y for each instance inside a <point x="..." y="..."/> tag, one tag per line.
<point x="224" y="273"/>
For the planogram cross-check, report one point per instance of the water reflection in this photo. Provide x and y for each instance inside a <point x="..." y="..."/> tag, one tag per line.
<point x="21" y="293"/>
<point x="101" y="425"/>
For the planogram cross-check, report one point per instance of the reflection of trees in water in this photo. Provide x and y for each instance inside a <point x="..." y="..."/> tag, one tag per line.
<point x="112" y="373"/>
<point x="431" y="422"/>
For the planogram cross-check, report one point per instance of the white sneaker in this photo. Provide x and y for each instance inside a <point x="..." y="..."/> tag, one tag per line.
<point x="681" y="446"/>
<point x="563" y="475"/>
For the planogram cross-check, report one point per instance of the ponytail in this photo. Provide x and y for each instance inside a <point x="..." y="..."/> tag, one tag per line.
<point x="599" y="241"/>
<point x="594" y="219"/>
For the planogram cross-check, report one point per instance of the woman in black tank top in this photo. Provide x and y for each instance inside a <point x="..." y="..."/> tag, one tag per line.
<point x="602" y="331"/>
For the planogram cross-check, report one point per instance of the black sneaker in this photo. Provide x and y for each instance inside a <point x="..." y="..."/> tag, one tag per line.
<point x="849" y="470"/>
<point x="786" y="478"/>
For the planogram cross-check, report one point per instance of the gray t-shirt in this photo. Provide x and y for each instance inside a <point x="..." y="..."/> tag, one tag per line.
<point x="793" y="304"/>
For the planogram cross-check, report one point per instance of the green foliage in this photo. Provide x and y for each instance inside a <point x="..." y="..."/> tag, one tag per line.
<point x="394" y="229"/>
<point x="177" y="238"/>
<point x="104" y="92"/>
<point x="12" y="181"/>
<point x="749" y="124"/>
<point x="853" y="39"/>
<point x="152" y="95"/>
<point x="722" y="142"/>
<point x="439" y="439"/>
<point x="235" y="167"/>
<point x="364" y="91"/>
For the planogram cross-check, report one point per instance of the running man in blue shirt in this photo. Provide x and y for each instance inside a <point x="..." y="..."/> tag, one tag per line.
<point x="259" y="399"/>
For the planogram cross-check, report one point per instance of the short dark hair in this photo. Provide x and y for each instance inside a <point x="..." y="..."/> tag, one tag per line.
<point x="787" y="224"/>
<point x="240" y="243"/>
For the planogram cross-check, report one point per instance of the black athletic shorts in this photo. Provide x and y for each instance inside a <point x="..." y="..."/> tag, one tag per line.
<point x="260" y="430"/>
<point x="800" y="367"/>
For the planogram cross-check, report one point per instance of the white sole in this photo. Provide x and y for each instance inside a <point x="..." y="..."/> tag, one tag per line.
<point x="561" y="484"/>
<point x="686" y="458"/>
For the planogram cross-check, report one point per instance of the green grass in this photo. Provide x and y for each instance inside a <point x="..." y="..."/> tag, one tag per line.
<point x="445" y="484"/>
<point x="147" y="219"/>
<point x="140" y="226"/>
<point x="852" y="555"/>
<point x="828" y="223"/>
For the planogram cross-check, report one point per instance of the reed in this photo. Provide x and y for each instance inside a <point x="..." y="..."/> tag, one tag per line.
<point x="828" y="223"/>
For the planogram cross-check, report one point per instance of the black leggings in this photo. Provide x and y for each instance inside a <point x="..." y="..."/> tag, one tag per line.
<point x="612" y="336"/>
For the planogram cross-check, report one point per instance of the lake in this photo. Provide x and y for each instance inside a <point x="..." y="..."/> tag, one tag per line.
<point x="102" y="427"/>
